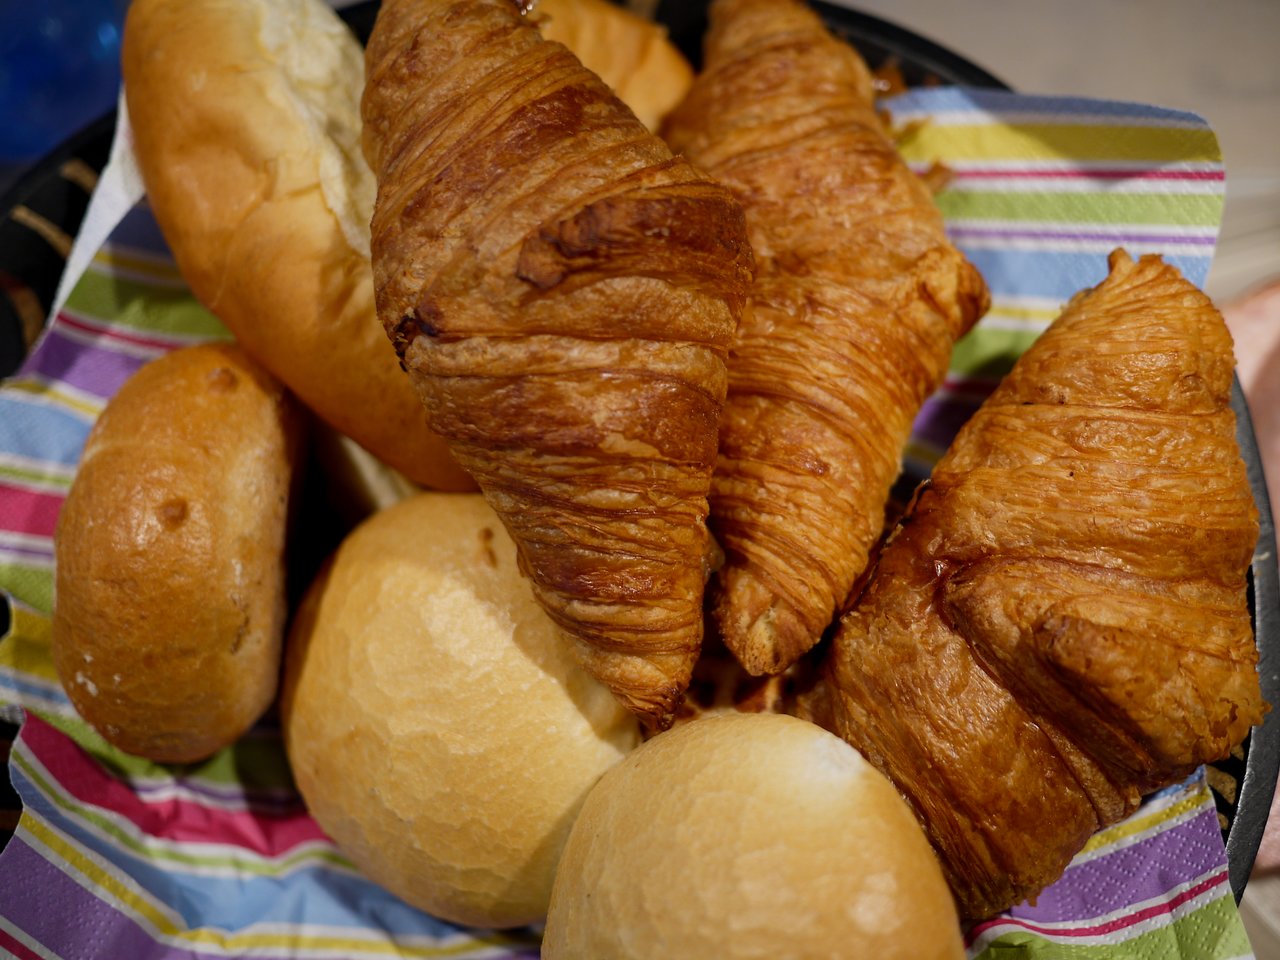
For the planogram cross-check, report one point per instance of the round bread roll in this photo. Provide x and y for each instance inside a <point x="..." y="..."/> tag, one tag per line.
<point x="246" y="126"/>
<point x="632" y="55"/>
<point x="748" y="836"/>
<point x="170" y="600"/>
<point x="438" y="727"/>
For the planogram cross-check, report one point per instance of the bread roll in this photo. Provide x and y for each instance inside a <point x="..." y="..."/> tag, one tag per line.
<point x="438" y="729"/>
<point x="170" y="601"/>
<point x="246" y="124"/>
<point x="632" y="55"/>
<point x="747" y="836"/>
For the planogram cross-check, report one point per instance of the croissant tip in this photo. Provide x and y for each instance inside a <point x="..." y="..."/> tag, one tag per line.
<point x="766" y="642"/>
<point x="658" y="714"/>
<point x="1119" y="257"/>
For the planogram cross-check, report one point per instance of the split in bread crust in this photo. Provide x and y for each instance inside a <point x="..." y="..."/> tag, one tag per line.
<point x="246" y="128"/>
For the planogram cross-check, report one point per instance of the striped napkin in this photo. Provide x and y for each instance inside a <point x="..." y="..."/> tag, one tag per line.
<point x="1042" y="189"/>
<point x="118" y="857"/>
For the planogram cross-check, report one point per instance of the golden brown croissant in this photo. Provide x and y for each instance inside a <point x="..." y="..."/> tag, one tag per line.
<point x="562" y="290"/>
<point x="857" y="301"/>
<point x="1060" y="623"/>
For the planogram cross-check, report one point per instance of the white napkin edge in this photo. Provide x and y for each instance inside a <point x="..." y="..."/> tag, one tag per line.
<point x="118" y="191"/>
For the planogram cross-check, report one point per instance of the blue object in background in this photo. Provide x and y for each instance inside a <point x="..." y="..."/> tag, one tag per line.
<point x="59" y="70"/>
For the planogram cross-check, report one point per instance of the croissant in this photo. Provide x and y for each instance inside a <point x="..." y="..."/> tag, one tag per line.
<point x="1060" y="624"/>
<point x="562" y="292"/>
<point x="857" y="302"/>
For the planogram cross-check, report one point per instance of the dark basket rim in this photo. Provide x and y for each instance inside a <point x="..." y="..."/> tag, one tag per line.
<point x="97" y="133"/>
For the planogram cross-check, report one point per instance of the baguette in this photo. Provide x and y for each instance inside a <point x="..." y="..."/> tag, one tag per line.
<point x="246" y="125"/>
<point x="170" y="606"/>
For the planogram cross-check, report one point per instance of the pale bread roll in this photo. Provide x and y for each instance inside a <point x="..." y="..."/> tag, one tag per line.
<point x="748" y="837"/>
<point x="437" y="726"/>
<point x="170" y="602"/>
<point x="632" y="55"/>
<point x="246" y="125"/>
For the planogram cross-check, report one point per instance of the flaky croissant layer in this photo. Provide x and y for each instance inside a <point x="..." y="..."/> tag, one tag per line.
<point x="858" y="300"/>
<point x="1060" y="623"/>
<point x="562" y="291"/>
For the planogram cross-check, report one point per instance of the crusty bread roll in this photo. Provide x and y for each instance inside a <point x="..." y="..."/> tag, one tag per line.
<point x="631" y="54"/>
<point x="170" y="603"/>
<point x="246" y="124"/>
<point x="437" y="727"/>
<point x="745" y="836"/>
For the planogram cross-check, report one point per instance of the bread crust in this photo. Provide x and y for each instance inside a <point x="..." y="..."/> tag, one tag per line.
<point x="563" y="291"/>
<point x="246" y="128"/>
<point x="748" y="837"/>
<point x="858" y="299"/>
<point x="170" y="604"/>
<point x="632" y="55"/>
<point x="437" y="728"/>
<point x="1060" y="625"/>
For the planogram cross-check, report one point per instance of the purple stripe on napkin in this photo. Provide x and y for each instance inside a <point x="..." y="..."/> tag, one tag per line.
<point x="1150" y="868"/>
<point x="139" y="231"/>
<point x="94" y="370"/>
<point x="940" y="419"/>
<point x="22" y="552"/>
<point x="57" y="912"/>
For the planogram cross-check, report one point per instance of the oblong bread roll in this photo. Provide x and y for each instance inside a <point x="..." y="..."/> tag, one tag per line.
<point x="170" y="606"/>
<point x="246" y="124"/>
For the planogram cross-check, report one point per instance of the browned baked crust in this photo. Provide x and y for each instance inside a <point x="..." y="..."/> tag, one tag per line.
<point x="857" y="301"/>
<point x="631" y="54"/>
<point x="1060" y="624"/>
<point x="562" y="291"/>
<point x="170" y="549"/>
<point x="246" y="129"/>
